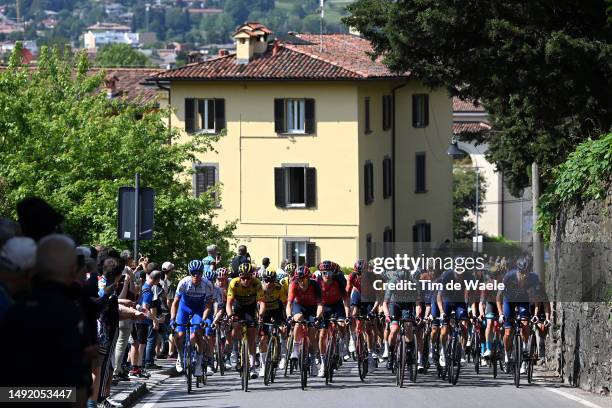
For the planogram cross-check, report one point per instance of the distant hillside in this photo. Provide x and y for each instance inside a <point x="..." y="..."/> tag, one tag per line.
<point x="193" y="23"/>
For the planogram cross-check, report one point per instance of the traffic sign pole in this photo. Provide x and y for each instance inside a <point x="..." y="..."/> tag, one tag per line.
<point x="136" y="215"/>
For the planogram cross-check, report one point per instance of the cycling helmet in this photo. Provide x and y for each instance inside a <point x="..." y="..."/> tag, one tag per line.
<point x="290" y="269"/>
<point x="358" y="267"/>
<point x="245" y="269"/>
<point x="222" y="273"/>
<point x="326" y="266"/>
<point x="302" y="271"/>
<point x="269" y="274"/>
<point x="522" y="264"/>
<point x="280" y="276"/>
<point x="208" y="261"/>
<point x="195" y="266"/>
<point x="210" y="275"/>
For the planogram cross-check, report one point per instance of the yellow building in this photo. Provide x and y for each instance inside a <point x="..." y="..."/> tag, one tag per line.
<point x="327" y="154"/>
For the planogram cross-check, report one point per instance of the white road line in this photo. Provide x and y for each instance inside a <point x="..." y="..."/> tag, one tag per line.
<point x="573" y="398"/>
<point x="156" y="399"/>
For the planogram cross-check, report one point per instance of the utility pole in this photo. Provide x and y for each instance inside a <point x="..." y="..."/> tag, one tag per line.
<point x="538" y="249"/>
<point x="321" y="26"/>
<point x="147" y="8"/>
<point x="136" y="214"/>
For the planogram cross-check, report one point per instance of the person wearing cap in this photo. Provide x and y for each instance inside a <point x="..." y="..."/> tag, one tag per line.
<point x="17" y="262"/>
<point x="170" y="288"/>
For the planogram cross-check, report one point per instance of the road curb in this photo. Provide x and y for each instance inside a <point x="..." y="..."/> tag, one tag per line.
<point x="132" y="392"/>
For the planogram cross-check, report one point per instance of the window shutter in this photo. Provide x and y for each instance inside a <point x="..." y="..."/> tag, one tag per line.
<point x="415" y="111"/>
<point x="387" y="179"/>
<point x="425" y="110"/>
<point x="367" y="115"/>
<point x="415" y="233"/>
<point x="368" y="177"/>
<point x="427" y="232"/>
<point x="200" y="182"/>
<point x="209" y="171"/>
<point x="219" y="114"/>
<point x="311" y="253"/>
<point x="279" y="187"/>
<point x="189" y="115"/>
<point x="211" y="114"/>
<point x="420" y="172"/>
<point x="311" y="187"/>
<point x="309" y="114"/>
<point x="200" y="119"/>
<point x="385" y="113"/>
<point x="279" y="116"/>
<point x="288" y="252"/>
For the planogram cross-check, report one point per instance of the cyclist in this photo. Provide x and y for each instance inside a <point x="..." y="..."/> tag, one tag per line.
<point x="453" y="301"/>
<point x="209" y="331"/>
<point x="304" y="304"/>
<point x="222" y="285"/>
<point x="192" y="304"/>
<point x="520" y="287"/>
<point x="488" y="307"/>
<point x="335" y="303"/>
<point x="275" y="298"/>
<point x="397" y="306"/>
<point x="360" y="308"/>
<point x="423" y="311"/>
<point x="243" y="295"/>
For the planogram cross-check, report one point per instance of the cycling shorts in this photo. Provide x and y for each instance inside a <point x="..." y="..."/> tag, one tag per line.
<point x="273" y="316"/>
<point x="186" y="315"/>
<point x="246" y="312"/>
<point x="523" y="312"/>
<point x="401" y="311"/>
<point x="435" y="314"/>
<point x="460" y="309"/>
<point x="491" y="310"/>
<point x="336" y="310"/>
<point x="355" y="298"/>
<point x="308" y="312"/>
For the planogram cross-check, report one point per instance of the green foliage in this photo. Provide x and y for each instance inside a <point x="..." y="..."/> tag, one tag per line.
<point x="541" y="69"/>
<point x="585" y="175"/>
<point x="464" y="200"/>
<point x="62" y="140"/>
<point x="120" y="55"/>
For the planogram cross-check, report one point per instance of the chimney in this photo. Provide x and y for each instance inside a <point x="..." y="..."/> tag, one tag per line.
<point x="275" y="48"/>
<point x="222" y="53"/>
<point x="110" y="83"/>
<point x="251" y="41"/>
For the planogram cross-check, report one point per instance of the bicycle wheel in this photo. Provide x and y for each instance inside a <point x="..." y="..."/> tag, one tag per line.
<point x="187" y="358"/>
<point x="494" y="355"/>
<point x="220" y="353"/>
<point x="275" y="358"/>
<point x="531" y="359"/>
<point x="401" y="361"/>
<point x="328" y="360"/>
<point x="413" y="359"/>
<point x="362" y="357"/>
<point x="288" y="360"/>
<point x="476" y="352"/>
<point x="245" y="364"/>
<point x="304" y="365"/>
<point x="426" y="347"/>
<point x="516" y="359"/>
<point x="456" y="359"/>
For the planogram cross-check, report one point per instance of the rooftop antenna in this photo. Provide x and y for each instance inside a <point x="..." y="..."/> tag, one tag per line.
<point x="321" y="26"/>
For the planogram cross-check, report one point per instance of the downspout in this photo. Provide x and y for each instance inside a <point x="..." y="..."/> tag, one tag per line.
<point x="393" y="158"/>
<point x="167" y="89"/>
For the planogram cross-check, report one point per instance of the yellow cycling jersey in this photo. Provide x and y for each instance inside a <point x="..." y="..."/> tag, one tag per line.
<point x="275" y="297"/>
<point x="245" y="295"/>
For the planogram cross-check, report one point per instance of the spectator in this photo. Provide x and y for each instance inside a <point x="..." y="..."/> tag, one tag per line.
<point x="17" y="261"/>
<point x="8" y="229"/>
<point x="52" y="310"/>
<point x="155" y="329"/>
<point x="170" y="289"/>
<point x="126" y="297"/>
<point x="283" y="264"/>
<point x="242" y="257"/>
<point x="162" y="347"/>
<point x="265" y="263"/>
<point x="37" y="218"/>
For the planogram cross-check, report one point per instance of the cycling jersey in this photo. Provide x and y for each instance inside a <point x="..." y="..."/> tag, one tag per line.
<point x="192" y="296"/>
<point x="520" y="290"/>
<point x="331" y="293"/>
<point x="245" y="295"/>
<point x="355" y="281"/>
<point x="311" y="296"/>
<point x="274" y="297"/>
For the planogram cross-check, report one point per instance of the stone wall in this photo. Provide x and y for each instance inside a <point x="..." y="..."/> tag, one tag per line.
<point x="580" y="343"/>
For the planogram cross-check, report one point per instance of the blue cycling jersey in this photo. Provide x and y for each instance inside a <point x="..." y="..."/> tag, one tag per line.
<point x="453" y="295"/>
<point x="194" y="297"/>
<point x="520" y="290"/>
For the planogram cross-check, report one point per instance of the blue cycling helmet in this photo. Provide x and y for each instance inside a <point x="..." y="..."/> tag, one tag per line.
<point x="195" y="266"/>
<point x="210" y="275"/>
<point x="280" y="276"/>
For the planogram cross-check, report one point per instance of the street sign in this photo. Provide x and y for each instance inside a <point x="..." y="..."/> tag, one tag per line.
<point x="126" y="212"/>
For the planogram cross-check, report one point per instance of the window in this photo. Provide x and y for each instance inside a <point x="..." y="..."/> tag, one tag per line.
<point x="420" y="173"/>
<point x="368" y="128"/>
<point x="301" y="252"/>
<point x="388" y="242"/>
<point x="387" y="112"/>
<point x="204" y="115"/>
<point x="295" y="186"/>
<point x="294" y="116"/>
<point x="369" y="252"/>
<point x="387" y="177"/>
<point x="420" y="110"/>
<point x="368" y="181"/>
<point x="205" y="177"/>
<point x="421" y="232"/>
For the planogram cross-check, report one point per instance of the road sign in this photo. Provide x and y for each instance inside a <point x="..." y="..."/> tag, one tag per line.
<point x="126" y="209"/>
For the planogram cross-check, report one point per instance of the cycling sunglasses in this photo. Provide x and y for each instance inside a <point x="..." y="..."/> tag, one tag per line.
<point x="246" y="277"/>
<point x="195" y="273"/>
<point x="327" y="273"/>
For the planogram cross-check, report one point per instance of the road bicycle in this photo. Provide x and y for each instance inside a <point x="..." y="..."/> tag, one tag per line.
<point x="518" y="353"/>
<point x="332" y="360"/>
<point x="189" y="359"/>
<point x="304" y="358"/>
<point x="426" y="345"/>
<point x="453" y="350"/>
<point x="243" y="356"/>
<point x="405" y="353"/>
<point x="290" y="364"/>
<point x="219" y="351"/>
<point x="274" y="353"/>
<point x="497" y="349"/>
<point x="361" y="346"/>
<point x="476" y="343"/>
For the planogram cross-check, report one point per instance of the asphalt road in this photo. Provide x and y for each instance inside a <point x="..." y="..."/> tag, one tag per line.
<point x="378" y="390"/>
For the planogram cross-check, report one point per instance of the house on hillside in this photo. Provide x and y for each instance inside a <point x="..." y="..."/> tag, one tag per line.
<point x="326" y="155"/>
<point x="504" y="214"/>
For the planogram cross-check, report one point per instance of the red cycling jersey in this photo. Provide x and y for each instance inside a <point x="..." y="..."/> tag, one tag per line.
<point x="311" y="296"/>
<point x="331" y="293"/>
<point x="355" y="281"/>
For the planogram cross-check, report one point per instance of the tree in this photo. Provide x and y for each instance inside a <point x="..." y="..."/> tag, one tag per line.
<point x="62" y="140"/>
<point x="120" y="55"/>
<point x="541" y="68"/>
<point x="464" y="200"/>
